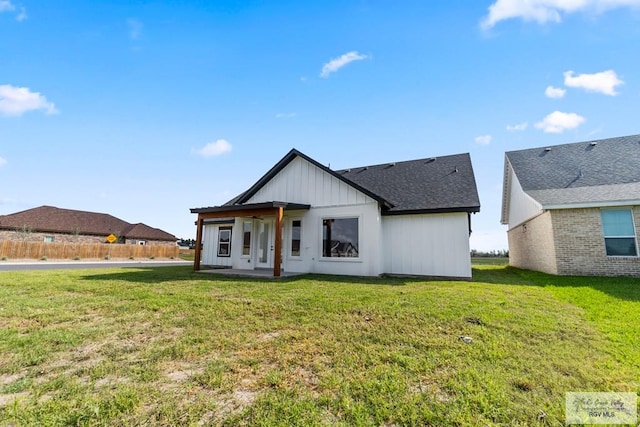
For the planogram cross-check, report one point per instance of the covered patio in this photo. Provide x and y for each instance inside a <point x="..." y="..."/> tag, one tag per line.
<point x="275" y="209"/>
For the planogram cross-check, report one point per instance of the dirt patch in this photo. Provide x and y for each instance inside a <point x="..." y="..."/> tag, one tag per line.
<point x="6" y="399"/>
<point x="269" y="336"/>
<point x="8" y="379"/>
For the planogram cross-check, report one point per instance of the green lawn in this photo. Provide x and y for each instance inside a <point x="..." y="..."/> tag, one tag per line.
<point x="165" y="346"/>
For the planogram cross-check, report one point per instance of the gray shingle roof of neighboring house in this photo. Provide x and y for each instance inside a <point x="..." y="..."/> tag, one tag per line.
<point x="599" y="171"/>
<point x="435" y="184"/>
<point x="68" y="221"/>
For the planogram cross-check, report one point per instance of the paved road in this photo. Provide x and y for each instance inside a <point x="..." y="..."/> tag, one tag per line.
<point x="55" y="265"/>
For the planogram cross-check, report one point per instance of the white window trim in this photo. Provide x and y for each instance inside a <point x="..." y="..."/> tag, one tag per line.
<point x="321" y="239"/>
<point x="289" y="243"/>
<point x="634" y="236"/>
<point x="242" y="254"/>
<point x="230" y="230"/>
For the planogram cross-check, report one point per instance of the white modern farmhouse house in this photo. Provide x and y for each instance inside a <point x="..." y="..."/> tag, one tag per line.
<point x="399" y="218"/>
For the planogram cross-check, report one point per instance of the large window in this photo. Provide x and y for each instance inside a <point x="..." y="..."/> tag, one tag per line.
<point x="224" y="241"/>
<point x="340" y="238"/>
<point x="296" y="228"/>
<point x="619" y="232"/>
<point x="246" y="238"/>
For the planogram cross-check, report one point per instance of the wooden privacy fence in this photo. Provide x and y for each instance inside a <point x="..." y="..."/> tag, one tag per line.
<point x="38" y="250"/>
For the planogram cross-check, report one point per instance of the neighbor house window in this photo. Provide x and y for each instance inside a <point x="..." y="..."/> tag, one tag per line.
<point x="296" y="228"/>
<point x="340" y="238"/>
<point x="48" y="239"/>
<point x="246" y="238"/>
<point x="619" y="232"/>
<point x="224" y="241"/>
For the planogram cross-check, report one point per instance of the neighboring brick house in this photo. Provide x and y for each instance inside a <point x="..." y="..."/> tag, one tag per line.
<point x="51" y="224"/>
<point x="574" y="209"/>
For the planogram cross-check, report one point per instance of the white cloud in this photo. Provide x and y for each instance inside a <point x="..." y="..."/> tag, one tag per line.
<point x="336" y="63"/>
<point x="483" y="139"/>
<point x="2" y="162"/>
<point x="22" y="15"/>
<point x="543" y="11"/>
<point x="517" y="127"/>
<point x="15" y="101"/>
<point x="216" y="148"/>
<point x="554" y="92"/>
<point x="135" y="29"/>
<point x="558" y="122"/>
<point x="285" y="115"/>
<point x="604" y="82"/>
<point x="6" y="6"/>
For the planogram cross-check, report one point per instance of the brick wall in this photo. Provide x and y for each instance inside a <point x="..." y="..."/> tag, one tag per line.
<point x="580" y="246"/>
<point x="57" y="237"/>
<point x="67" y="238"/>
<point x="531" y="245"/>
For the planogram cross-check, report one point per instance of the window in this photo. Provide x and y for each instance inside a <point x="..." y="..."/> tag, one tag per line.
<point x="619" y="232"/>
<point x="246" y="238"/>
<point x="224" y="241"/>
<point x="48" y="239"/>
<point x="340" y="238"/>
<point x="296" y="228"/>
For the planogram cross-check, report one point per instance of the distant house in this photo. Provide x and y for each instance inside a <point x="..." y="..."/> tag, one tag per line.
<point x="51" y="224"/>
<point x="574" y="209"/>
<point x="404" y="218"/>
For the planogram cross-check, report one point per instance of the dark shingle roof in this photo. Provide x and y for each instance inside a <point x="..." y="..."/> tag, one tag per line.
<point x="603" y="162"/>
<point x="143" y="231"/>
<point x="56" y="220"/>
<point x="444" y="183"/>
<point x="436" y="184"/>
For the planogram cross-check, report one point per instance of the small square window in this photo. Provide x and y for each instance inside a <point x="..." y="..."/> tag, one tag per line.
<point x="619" y="232"/>
<point x="224" y="242"/>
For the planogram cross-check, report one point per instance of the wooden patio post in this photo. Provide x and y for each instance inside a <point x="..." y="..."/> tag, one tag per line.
<point x="278" y="243"/>
<point x="197" y="255"/>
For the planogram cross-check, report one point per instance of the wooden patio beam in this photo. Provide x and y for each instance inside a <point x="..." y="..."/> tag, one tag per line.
<point x="198" y="253"/>
<point x="278" y="243"/>
<point x="241" y="213"/>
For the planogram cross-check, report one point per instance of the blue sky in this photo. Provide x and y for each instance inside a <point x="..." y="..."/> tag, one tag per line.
<point x="144" y="109"/>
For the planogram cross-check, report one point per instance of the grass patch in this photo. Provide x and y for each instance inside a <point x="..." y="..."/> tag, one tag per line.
<point x="166" y="346"/>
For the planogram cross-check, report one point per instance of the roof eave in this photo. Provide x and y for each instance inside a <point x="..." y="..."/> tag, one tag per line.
<point x="592" y="204"/>
<point x="466" y="209"/>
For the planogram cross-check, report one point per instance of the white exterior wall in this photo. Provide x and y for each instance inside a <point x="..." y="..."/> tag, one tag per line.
<point x="311" y="261"/>
<point x="427" y="245"/>
<point x="302" y="182"/>
<point x="521" y="205"/>
<point x="210" y="246"/>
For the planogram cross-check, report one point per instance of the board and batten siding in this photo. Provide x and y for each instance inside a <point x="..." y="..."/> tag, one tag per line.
<point x="427" y="245"/>
<point x="303" y="182"/>
<point x="521" y="205"/>
<point x="210" y="243"/>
